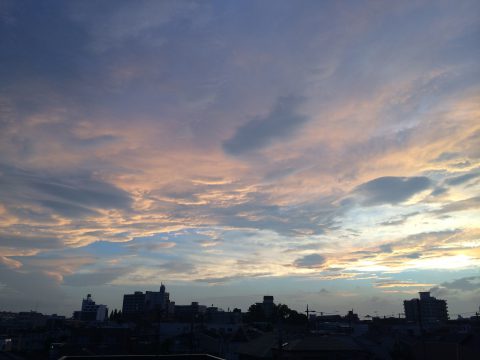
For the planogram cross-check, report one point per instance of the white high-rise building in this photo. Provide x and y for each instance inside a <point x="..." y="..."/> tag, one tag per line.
<point x="91" y="311"/>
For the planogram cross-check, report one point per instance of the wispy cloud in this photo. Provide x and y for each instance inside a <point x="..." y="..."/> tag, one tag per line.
<point x="392" y="190"/>
<point x="282" y="120"/>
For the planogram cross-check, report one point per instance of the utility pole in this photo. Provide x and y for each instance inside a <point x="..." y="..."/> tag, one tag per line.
<point x="308" y="316"/>
<point x="308" y="312"/>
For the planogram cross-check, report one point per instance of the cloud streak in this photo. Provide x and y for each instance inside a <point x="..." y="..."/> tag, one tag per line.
<point x="392" y="190"/>
<point x="257" y="133"/>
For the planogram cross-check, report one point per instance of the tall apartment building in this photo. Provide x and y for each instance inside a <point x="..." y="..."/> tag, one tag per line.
<point x="133" y="303"/>
<point x="157" y="300"/>
<point x="140" y="302"/>
<point x="426" y="310"/>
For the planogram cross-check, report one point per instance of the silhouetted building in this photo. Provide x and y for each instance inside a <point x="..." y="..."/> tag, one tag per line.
<point x="222" y="321"/>
<point x="157" y="300"/>
<point x="351" y="317"/>
<point x="426" y="310"/>
<point x="267" y="305"/>
<point x="91" y="311"/>
<point x="326" y="317"/>
<point x="189" y="312"/>
<point x="133" y="303"/>
<point x="139" y="302"/>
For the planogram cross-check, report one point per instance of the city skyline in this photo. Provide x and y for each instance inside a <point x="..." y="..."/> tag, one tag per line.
<point x="326" y="153"/>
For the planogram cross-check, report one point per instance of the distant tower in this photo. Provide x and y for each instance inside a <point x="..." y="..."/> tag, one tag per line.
<point x="268" y="305"/>
<point x="162" y="289"/>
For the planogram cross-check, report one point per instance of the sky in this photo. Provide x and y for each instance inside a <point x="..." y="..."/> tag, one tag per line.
<point x="323" y="152"/>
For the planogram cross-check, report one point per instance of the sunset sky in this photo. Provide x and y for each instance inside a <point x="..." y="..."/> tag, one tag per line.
<point x="323" y="152"/>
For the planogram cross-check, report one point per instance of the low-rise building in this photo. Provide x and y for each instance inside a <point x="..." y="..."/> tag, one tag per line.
<point x="189" y="312"/>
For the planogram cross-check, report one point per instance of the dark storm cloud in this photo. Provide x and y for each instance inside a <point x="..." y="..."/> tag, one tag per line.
<point x="391" y="189"/>
<point x="281" y="122"/>
<point x="310" y="261"/>
<point x="95" y="278"/>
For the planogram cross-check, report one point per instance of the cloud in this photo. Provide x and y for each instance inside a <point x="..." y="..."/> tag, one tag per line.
<point x="310" y="261"/>
<point x="256" y="211"/>
<point x="399" y="284"/>
<point x="61" y="42"/>
<point x="225" y="279"/>
<point x="281" y="122"/>
<point x="111" y="30"/>
<point x="386" y="248"/>
<point x="438" y="291"/>
<point x="458" y="180"/>
<point x="413" y="255"/>
<point x="95" y="141"/>
<point x="177" y="267"/>
<point x="10" y="263"/>
<point x="393" y="222"/>
<point x="27" y="289"/>
<point x="392" y="190"/>
<point x="95" y="278"/>
<point x="446" y="156"/>
<point x="151" y="246"/>
<point x="463" y="284"/>
<point x="399" y="220"/>
<point x="84" y="190"/>
<point x="439" y="191"/>
<point x="69" y="195"/>
<point x="67" y="209"/>
<point x="461" y="205"/>
<point x="29" y="241"/>
<point x="457" y="286"/>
